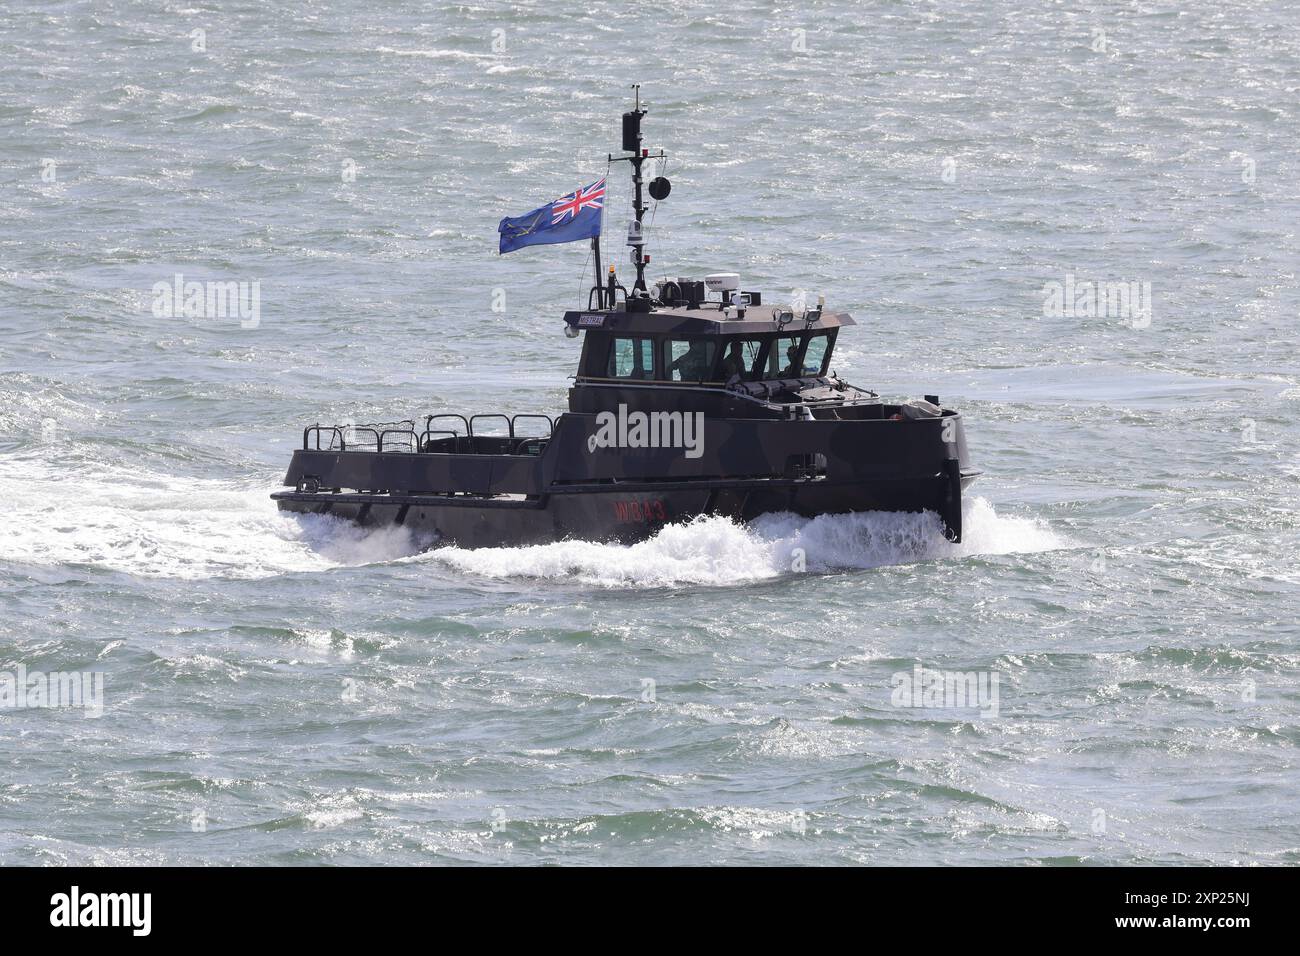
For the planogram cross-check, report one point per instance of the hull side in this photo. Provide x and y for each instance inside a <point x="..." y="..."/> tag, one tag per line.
<point x="623" y="516"/>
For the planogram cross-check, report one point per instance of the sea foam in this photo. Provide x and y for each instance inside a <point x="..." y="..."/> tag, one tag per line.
<point x="155" y="525"/>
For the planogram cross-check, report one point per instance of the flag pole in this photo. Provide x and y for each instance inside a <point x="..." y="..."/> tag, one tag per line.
<point x="600" y="290"/>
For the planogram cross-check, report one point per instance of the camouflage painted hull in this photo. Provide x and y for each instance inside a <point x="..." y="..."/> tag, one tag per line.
<point x="571" y="489"/>
<point x="626" y="515"/>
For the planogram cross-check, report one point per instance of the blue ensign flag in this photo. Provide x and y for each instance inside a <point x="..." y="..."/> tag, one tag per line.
<point x="568" y="219"/>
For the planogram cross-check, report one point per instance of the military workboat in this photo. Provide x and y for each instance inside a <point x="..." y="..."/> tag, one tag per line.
<point x="692" y="397"/>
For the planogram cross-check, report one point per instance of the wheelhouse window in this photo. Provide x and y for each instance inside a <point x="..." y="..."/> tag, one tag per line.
<point x="632" y="358"/>
<point x="817" y="353"/>
<point x="689" y="360"/>
<point x="742" y="358"/>
<point x="783" y="358"/>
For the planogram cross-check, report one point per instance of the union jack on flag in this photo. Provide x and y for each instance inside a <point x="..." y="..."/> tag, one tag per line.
<point x="568" y="219"/>
<point x="568" y="207"/>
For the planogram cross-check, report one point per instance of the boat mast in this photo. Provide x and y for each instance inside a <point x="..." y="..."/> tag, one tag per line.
<point x="639" y="300"/>
<point x="632" y="143"/>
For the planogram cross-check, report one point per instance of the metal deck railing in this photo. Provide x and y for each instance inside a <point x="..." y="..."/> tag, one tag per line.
<point x="372" y="436"/>
<point x="401" y="436"/>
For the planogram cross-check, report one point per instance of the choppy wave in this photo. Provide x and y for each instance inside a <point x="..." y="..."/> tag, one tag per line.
<point x="157" y="525"/>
